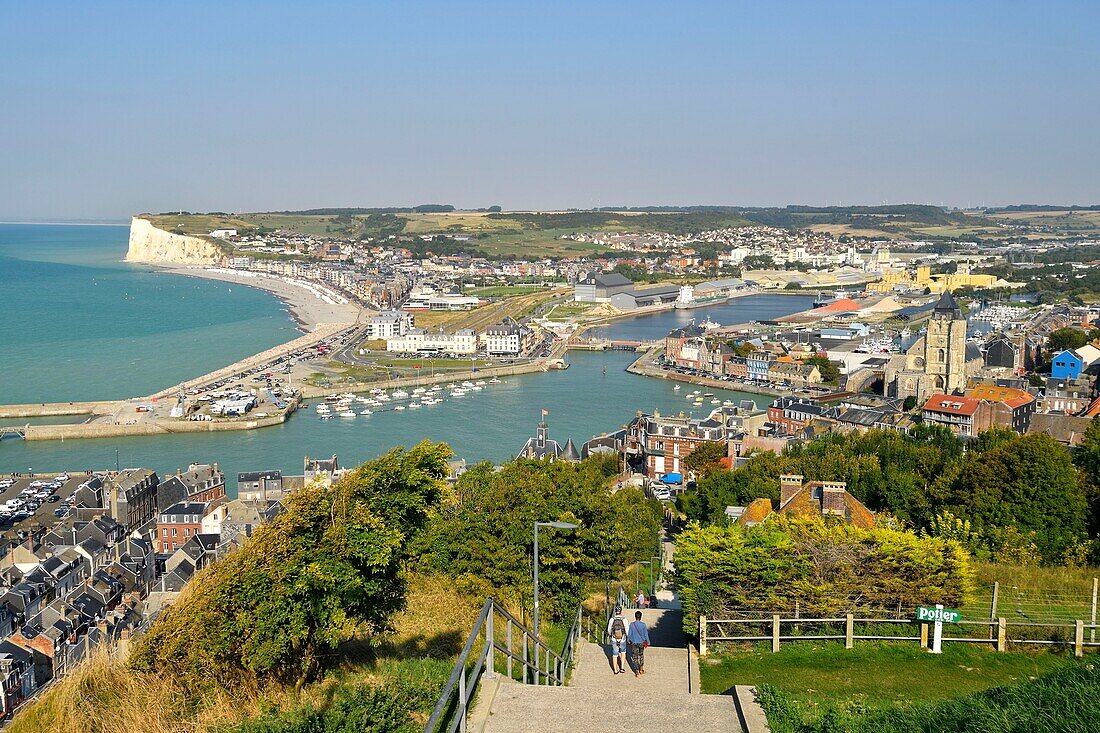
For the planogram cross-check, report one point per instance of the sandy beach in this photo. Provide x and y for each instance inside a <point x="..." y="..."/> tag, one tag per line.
<point x="307" y="302"/>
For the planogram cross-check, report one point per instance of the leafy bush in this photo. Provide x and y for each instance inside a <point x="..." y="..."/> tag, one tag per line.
<point x="824" y="567"/>
<point x="329" y="567"/>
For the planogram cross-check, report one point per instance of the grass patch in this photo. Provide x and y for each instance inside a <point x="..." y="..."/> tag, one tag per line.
<point x="569" y="309"/>
<point x="504" y="291"/>
<point x="1066" y="700"/>
<point x="873" y="674"/>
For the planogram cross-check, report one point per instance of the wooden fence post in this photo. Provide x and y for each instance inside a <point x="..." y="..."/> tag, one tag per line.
<point x="849" y="623"/>
<point x="1002" y="634"/>
<point x="775" y="632"/>
<point x="702" y="636"/>
<point x="924" y="635"/>
<point x="1078" y="638"/>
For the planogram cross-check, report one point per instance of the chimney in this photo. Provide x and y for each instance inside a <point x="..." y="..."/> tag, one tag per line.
<point x="832" y="497"/>
<point x="789" y="485"/>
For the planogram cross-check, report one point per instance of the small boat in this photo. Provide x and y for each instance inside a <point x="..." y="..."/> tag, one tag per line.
<point x="347" y="413"/>
<point x="708" y="394"/>
<point x="467" y="384"/>
<point x="327" y="417"/>
<point x="366" y="412"/>
<point x="399" y="407"/>
<point x="676" y="388"/>
<point x="494" y="380"/>
<point x="458" y="393"/>
<point x="419" y="390"/>
<point x="477" y="388"/>
<point x="414" y="405"/>
<point x="716" y="402"/>
<point x="400" y="394"/>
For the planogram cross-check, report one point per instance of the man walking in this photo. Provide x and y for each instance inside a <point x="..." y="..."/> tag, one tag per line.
<point x="637" y="639"/>
<point x="616" y="633"/>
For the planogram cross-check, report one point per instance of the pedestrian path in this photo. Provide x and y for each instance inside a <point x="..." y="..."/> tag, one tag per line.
<point x="664" y="699"/>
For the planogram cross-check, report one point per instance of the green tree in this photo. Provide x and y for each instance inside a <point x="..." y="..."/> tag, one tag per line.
<point x="1067" y="338"/>
<point x="705" y="458"/>
<point x="327" y="568"/>
<point x="1028" y="483"/>
<point x="483" y="537"/>
<point x="830" y="370"/>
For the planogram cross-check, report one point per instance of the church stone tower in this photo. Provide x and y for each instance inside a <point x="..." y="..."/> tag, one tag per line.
<point x="945" y="346"/>
<point x="936" y="362"/>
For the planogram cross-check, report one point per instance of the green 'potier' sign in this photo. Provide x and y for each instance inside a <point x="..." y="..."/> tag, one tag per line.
<point x="946" y="615"/>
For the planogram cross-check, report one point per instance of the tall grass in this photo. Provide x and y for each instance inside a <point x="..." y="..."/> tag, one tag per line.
<point x="392" y="678"/>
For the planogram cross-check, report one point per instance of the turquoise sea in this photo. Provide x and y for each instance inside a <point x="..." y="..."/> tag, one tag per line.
<point x="77" y="323"/>
<point x="186" y="327"/>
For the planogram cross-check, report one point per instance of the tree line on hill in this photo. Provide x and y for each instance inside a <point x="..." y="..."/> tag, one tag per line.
<point x="1005" y="497"/>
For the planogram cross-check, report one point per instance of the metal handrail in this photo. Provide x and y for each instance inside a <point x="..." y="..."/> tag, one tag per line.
<point x="543" y="666"/>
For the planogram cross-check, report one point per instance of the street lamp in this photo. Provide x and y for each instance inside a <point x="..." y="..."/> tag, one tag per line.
<point x="555" y="525"/>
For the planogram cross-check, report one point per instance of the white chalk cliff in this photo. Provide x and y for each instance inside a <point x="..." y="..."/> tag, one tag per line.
<point x="149" y="244"/>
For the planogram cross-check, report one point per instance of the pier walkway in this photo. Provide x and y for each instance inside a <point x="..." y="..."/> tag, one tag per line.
<point x="19" y="431"/>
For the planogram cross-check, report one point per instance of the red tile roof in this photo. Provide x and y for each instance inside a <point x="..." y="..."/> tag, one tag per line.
<point x="1010" y="396"/>
<point x="952" y="404"/>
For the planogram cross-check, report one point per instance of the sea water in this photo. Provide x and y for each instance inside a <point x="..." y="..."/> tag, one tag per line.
<point x="77" y="323"/>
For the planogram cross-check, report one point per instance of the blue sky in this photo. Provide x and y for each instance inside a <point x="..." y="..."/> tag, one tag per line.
<point x="111" y="108"/>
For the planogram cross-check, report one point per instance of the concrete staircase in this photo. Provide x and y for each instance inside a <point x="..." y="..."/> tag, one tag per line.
<point x="666" y="698"/>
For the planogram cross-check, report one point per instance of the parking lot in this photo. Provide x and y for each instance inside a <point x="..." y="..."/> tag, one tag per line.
<point x="32" y="501"/>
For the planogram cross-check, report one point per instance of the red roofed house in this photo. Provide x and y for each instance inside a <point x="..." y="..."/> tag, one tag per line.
<point x="984" y="408"/>
<point x="1012" y="408"/>
<point x="958" y="414"/>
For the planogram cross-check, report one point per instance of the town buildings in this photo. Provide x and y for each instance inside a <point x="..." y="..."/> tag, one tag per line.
<point x="389" y="324"/>
<point x="658" y="444"/>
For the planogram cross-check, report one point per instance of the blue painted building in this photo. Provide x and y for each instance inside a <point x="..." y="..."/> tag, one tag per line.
<point x="1067" y="365"/>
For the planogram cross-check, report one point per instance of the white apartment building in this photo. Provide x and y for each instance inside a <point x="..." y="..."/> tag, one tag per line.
<point x="420" y="341"/>
<point x="505" y="339"/>
<point x="389" y="324"/>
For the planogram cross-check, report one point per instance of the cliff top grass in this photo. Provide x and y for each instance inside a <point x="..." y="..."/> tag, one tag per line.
<point x="873" y="674"/>
<point x="195" y="224"/>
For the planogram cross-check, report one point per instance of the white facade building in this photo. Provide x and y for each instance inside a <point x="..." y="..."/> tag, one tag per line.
<point x="419" y="341"/>
<point x="389" y="325"/>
